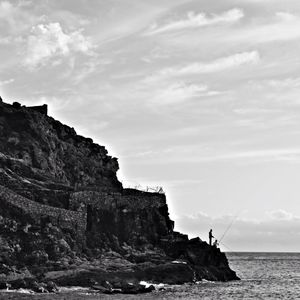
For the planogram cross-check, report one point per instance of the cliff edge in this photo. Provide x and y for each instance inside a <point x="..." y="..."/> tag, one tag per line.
<point x="65" y="219"/>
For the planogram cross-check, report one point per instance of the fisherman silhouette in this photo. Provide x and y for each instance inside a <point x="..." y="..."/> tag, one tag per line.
<point x="210" y="235"/>
<point x="216" y="244"/>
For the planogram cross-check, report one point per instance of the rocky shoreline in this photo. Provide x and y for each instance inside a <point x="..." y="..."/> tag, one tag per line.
<point x="66" y="220"/>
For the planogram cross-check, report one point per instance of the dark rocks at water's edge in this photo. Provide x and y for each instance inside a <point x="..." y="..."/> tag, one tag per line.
<point x="66" y="220"/>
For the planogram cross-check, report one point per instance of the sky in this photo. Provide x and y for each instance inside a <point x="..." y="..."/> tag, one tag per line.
<point x="200" y="97"/>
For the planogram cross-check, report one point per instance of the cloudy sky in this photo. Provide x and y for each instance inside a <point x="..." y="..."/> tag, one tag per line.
<point x="200" y="97"/>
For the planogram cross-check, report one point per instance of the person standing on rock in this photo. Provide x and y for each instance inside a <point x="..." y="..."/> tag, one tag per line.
<point x="210" y="236"/>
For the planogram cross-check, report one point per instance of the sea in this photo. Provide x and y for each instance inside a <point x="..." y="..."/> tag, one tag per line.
<point x="263" y="276"/>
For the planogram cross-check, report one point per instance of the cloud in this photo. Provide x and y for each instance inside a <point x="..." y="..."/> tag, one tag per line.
<point x="284" y="16"/>
<point x="284" y="83"/>
<point x="278" y="91"/>
<point x="6" y="40"/>
<point x="6" y="9"/>
<point x="267" y="154"/>
<point x="197" y="154"/>
<point x="49" y="41"/>
<point x="283" y="27"/>
<point x="15" y="17"/>
<point x="179" y="92"/>
<point x="218" y="65"/>
<point x="278" y="231"/>
<point x="193" y="20"/>
<point x="8" y="81"/>
<point x="280" y="214"/>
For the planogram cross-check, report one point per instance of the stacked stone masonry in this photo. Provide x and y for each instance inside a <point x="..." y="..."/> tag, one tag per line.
<point x="66" y="219"/>
<point x="136" y="201"/>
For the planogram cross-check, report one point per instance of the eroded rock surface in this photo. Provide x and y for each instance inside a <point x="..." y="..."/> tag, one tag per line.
<point x="66" y="219"/>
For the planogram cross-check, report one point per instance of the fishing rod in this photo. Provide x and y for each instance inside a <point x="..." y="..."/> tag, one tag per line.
<point x="228" y="227"/>
<point x="226" y="230"/>
<point x="226" y="247"/>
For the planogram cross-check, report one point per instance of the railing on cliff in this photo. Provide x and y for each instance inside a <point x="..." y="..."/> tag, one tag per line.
<point x="149" y="189"/>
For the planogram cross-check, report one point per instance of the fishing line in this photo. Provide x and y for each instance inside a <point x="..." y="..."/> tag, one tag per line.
<point x="229" y="226"/>
<point x="227" y="247"/>
<point x="226" y="230"/>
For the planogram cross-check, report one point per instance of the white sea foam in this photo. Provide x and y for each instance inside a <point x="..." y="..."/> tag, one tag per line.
<point x="65" y="289"/>
<point x="179" y="262"/>
<point x="158" y="287"/>
<point x="20" y="291"/>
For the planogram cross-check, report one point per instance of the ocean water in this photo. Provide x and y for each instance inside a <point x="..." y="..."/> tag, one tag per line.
<point x="263" y="276"/>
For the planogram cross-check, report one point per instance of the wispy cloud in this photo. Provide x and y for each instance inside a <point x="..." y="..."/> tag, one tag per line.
<point x="282" y="27"/>
<point x="269" y="154"/>
<point x="49" y="41"/>
<point x="7" y="11"/>
<point x="218" y="65"/>
<point x="280" y="92"/>
<point x="198" y="154"/>
<point x="179" y="92"/>
<point x="193" y="20"/>
<point x="15" y="16"/>
<point x="90" y="67"/>
<point x="8" y="81"/>
<point x="283" y="83"/>
<point x="10" y="40"/>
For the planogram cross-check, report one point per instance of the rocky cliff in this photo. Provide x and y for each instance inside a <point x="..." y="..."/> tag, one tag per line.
<point x="66" y="219"/>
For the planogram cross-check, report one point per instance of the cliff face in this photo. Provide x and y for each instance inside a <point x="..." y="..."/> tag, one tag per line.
<point x="62" y="208"/>
<point x="54" y="150"/>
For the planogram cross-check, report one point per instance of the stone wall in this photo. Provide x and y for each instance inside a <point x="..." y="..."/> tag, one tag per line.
<point x="132" y="216"/>
<point x="43" y="109"/>
<point x="141" y="200"/>
<point x="36" y="212"/>
<point x="129" y="199"/>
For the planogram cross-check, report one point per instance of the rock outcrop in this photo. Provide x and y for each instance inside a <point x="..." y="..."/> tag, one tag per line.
<point x="66" y="219"/>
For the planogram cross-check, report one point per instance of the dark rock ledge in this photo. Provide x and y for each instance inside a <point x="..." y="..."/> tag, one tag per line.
<point x="66" y="220"/>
